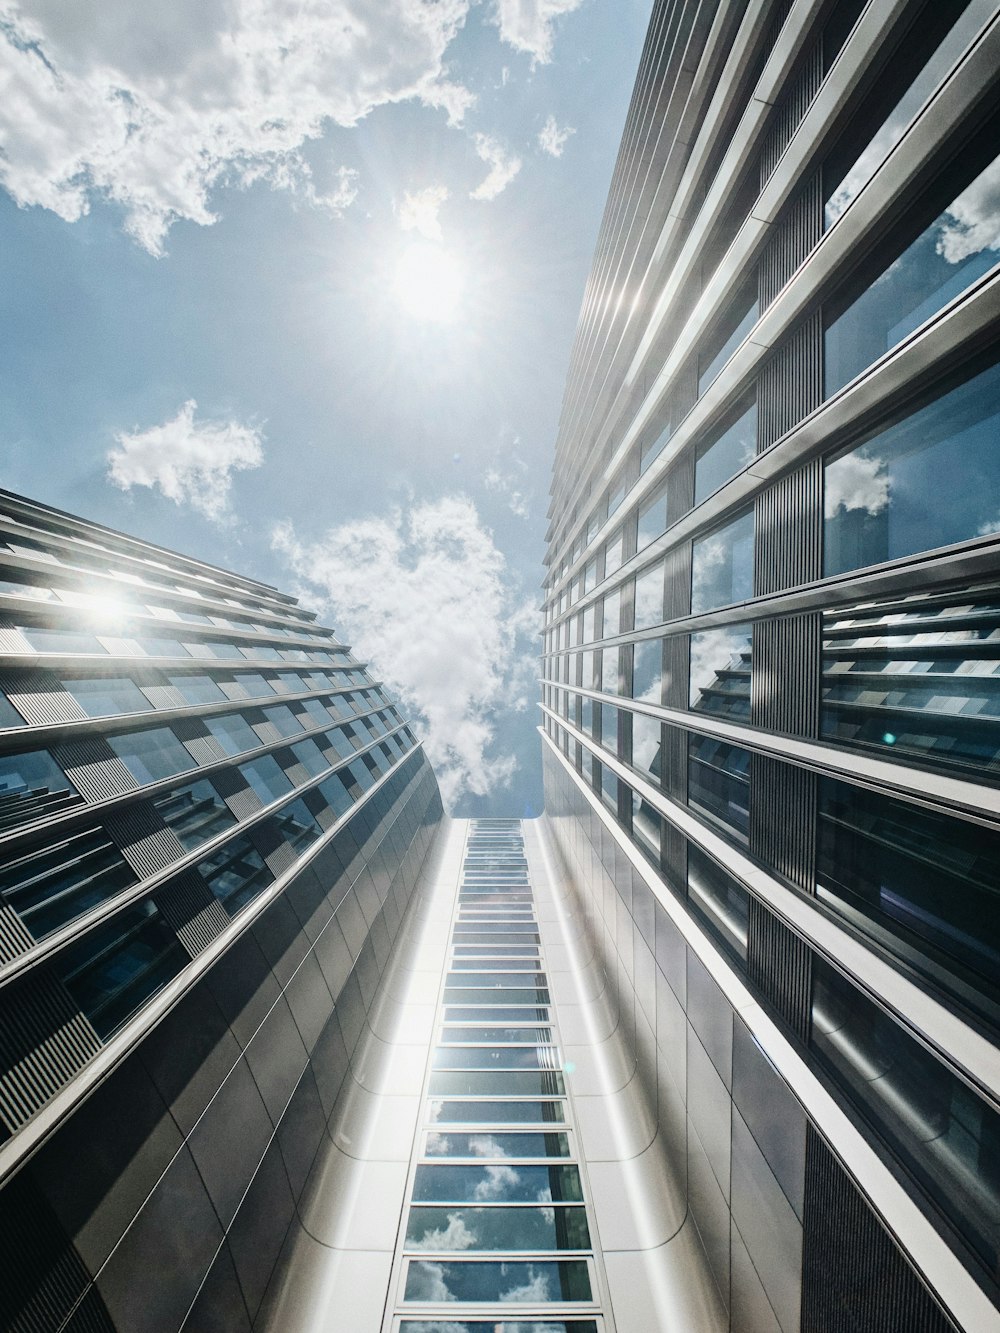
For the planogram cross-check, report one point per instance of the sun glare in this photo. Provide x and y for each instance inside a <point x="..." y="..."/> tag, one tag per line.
<point x="429" y="283"/>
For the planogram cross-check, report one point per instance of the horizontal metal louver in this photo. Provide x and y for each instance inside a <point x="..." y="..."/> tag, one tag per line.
<point x="145" y="841"/>
<point x="94" y="769"/>
<point x="188" y="905"/>
<point x="40" y="698"/>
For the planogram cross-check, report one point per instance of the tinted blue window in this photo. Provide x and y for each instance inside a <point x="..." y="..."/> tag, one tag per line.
<point x="234" y="733"/>
<point x="726" y="455"/>
<point x="266" y="778"/>
<point x="104" y="696"/>
<point x="722" y="565"/>
<point x="151" y="755"/>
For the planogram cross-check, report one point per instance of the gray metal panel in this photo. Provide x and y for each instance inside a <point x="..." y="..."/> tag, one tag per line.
<point x="94" y="768"/>
<point x="145" y="841"/>
<point x="785" y="685"/>
<point x="40" y="698"/>
<point x="783" y="818"/>
<point x="795" y="101"/>
<point x="197" y="917"/>
<point x="44" y="1041"/>
<point x="779" y="964"/>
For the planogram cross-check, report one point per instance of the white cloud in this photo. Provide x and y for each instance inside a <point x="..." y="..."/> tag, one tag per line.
<point x="427" y="1281"/>
<point x="426" y="598"/>
<point x="455" y="1236"/>
<point x="189" y="462"/>
<point x="503" y="166"/>
<point x="505" y="484"/>
<point x="528" y="25"/>
<point x="552" y="138"/>
<point x="856" y="481"/>
<point x="972" y="223"/>
<point x="496" y="1182"/>
<point x="419" y="211"/>
<point x="533" y="1292"/>
<point x="153" y="107"/>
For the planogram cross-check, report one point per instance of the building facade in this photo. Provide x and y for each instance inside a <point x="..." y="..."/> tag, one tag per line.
<point x="213" y="821"/>
<point x="771" y="661"/>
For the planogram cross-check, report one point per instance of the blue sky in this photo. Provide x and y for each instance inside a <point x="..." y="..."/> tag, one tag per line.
<point x="292" y="288"/>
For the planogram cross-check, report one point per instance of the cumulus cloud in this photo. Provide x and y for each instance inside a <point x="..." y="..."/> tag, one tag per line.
<point x="425" y="596"/>
<point x="428" y="1281"/>
<point x="153" y="107"/>
<point x="529" y="25"/>
<point x="856" y="481"/>
<point x="503" y="167"/>
<point x="454" y="1236"/>
<point x="419" y="211"/>
<point x="506" y="483"/>
<point x="190" y="462"/>
<point x="533" y="1292"/>
<point x="972" y="223"/>
<point x="552" y="138"/>
<point x="497" y="1181"/>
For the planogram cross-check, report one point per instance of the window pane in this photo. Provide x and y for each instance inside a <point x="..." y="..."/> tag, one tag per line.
<point x="958" y="247"/>
<point x="614" y="553"/>
<point x="197" y="689"/>
<point x="9" y="716"/>
<point x="507" y="1283"/>
<point x="283" y="720"/>
<point x="649" y="597"/>
<point x="496" y="1113"/>
<point x="296" y="825"/>
<point x="884" y="499"/>
<point x="308" y="754"/>
<point x="652" y="518"/>
<point x="612" y="614"/>
<point x="62" y="641"/>
<point x="119" y="965"/>
<point x="726" y="455"/>
<point x="720" y="901"/>
<point x="107" y="695"/>
<point x="646" y="743"/>
<point x="501" y="1057"/>
<point x="496" y="1145"/>
<point x="233" y="732"/>
<point x="647" y="661"/>
<point x="519" y="1084"/>
<point x="720" y="671"/>
<point x="151" y="755"/>
<point x="719" y="782"/>
<point x="497" y="1184"/>
<point x="495" y="1326"/>
<point x="32" y="785"/>
<point x="195" y="813"/>
<point x="722" y="566"/>
<point x="235" y="873"/>
<point x="497" y="1228"/>
<point x="266" y="778"/>
<point x="55" y="885"/>
<point x="725" y="340"/>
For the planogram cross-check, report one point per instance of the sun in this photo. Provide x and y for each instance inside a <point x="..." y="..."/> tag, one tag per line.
<point x="429" y="283"/>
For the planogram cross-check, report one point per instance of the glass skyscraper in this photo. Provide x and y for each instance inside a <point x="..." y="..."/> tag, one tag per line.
<point x="712" y="1046"/>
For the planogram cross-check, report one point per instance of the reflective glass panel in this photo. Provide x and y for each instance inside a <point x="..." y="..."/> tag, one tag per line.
<point x="32" y="785"/>
<point x="151" y="755"/>
<point x="720" y="671"/>
<point x="235" y="873"/>
<point x="739" y="319"/>
<point x="884" y="499"/>
<point x="521" y="1083"/>
<point x="104" y="696"/>
<point x="918" y="676"/>
<point x="62" y="641"/>
<point x="9" y="716"/>
<point x="498" y="1326"/>
<point x="195" y="813"/>
<point x="514" y="1283"/>
<point x="728" y="453"/>
<point x="496" y="1145"/>
<point x="647" y="662"/>
<point x="233" y="732"/>
<point x="57" y="884"/>
<point x="720" y="901"/>
<point x="719" y="782"/>
<point x="649" y="589"/>
<point x="498" y="1034"/>
<point x="652" y="518"/>
<point x="722" y="565"/>
<point x="503" y="1057"/>
<point x="197" y="689"/>
<point x="497" y="1229"/>
<point x="503" y="1183"/>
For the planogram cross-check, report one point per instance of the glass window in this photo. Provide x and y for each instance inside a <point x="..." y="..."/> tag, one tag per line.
<point x="493" y="1145"/>
<point x="151" y="755"/>
<point x="844" y="180"/>
<point x="495" y="1326"/>
<point x="34" y="592"/>
<point x="520" y="1083"/>
<point x="719" y="782"/>
<point x="252" y="683"/>
<point x="647" y="661"/>
<point x="315" y="713"/>
<point x="654" y="446"/>
<point x="647" y="826"/>
<point x="106" y="695"/>
<point x="511" y="1282"/>
<point x="266" y="778"/>
<point x="32" y="785"/>
<point x="614" y="553"/>
<point x="590" y="576"/>
<point x="945" y="1135"/>
<point x="926" y="879"/>
<point x="647" y="735"/>
<point x="120" y="964"/>
<point x="649" y="589"/>
<point x="720" y="901"/>
<point x="959" y="246"/>
<point x="235" y="873"/>
<point x="197" y="689"/>
<point x="612" y="613"/>
<point x="720" y="671"/>
<point x="57" y="884"/>
<point x="308" y="754"/>
<point x="917" y="676"/>
<point x="547" y="1228"/>
<point x="609" y="788"/>
<point x="497" y="1184"/>
<point x="500" y="1057"/>
<point x="9" y="716"/>
<point x="725" y="455"/>
<point x="610" y="676"/>
<point x="884" y="499"/>
<point x="157" y="647"/>
<point x="734" y="327"/>
<point x="722" y="565"/>
<point x="652" y="518"/>
<point x="284" y="720"/>
<point x="62" y="641"/>
<point x="233" y="732"/>
<point x="195" y="812"/>
<point x="296" y="825"/>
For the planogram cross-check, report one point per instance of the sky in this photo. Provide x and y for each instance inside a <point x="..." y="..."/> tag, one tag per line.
<point x="291" y="287"/>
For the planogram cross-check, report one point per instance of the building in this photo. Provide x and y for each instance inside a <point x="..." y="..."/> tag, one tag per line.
<point x="213" y="821"/>
<point x="712" y="1045"/>
<point x="772" y="677"/>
